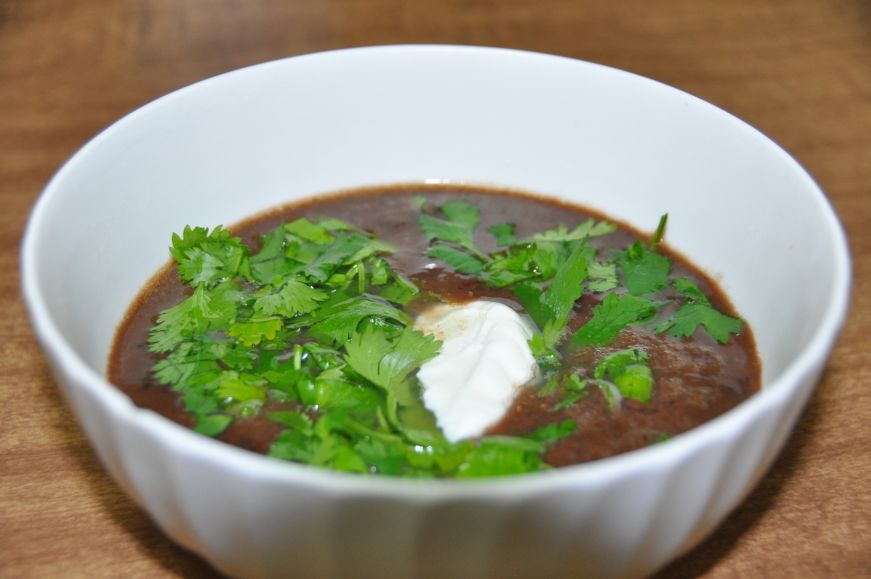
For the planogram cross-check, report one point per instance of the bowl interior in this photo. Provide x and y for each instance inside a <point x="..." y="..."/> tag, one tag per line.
<point x="226" y="148"/>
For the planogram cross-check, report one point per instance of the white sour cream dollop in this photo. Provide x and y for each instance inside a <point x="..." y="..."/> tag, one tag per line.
<point x="483" y="362"/>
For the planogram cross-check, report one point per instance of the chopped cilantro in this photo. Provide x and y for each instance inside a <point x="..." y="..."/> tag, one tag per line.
<point x="271" y="262"/>
<point x="401" y="291"/>
<point x="497" y="456"/>
<point x="387" y="362"/>
<point x="205" y="257"/>
<point x="312" y="323"/>
<point x="698" y="311"/>
<point x="566" y="288"/>
<point x="629" y="371"/>
<point x="213" y="424"/>
<point x="575" y="390"/>
<point x="338" y="319"/>
<point x="504" y="234"/>
<point x="201" y="312"/>
<point x="188" y="360"/>
<point x="548" y="274"/>
<point x="612" y="315"/>
<point x="689" y="317"/>
<point x="255" y="330"/>
<point x="644" y="271"/>
<point x="458" y="260"/>
<point x="291" y="298"/>
<point x="553" y="431"/>
<point x="602" y="276"/>
<point x="589" y="228"/>
<point x="458" y="228"/>
<point x="690" y="290"/>
<point x="309" y="231"/>
<point x="530" y="296"/>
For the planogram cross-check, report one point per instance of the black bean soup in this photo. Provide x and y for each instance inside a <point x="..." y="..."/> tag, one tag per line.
<point x="696" y="377"/>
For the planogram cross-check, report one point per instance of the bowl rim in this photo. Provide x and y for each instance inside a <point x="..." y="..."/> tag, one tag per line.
<point x="253" y="465"/>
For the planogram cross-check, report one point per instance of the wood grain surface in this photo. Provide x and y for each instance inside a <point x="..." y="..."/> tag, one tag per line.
<point x="798" y="70"/>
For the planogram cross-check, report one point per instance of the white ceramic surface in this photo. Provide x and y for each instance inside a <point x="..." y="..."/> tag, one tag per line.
<point x="225" y="148"/>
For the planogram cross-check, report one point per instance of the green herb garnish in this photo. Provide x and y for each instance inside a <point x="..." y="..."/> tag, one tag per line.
<point x="551" y="271"/>
<point x="611" y="316"/>
<point x="630" y="372"/>
<point x="697" y="311"/>
<point x="309" y="332"/>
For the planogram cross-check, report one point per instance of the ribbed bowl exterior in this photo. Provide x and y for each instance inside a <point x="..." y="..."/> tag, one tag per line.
<point x="249" y="526"/>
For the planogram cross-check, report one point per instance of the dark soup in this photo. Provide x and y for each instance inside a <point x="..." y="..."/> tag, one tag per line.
<point x="433" y="331"/>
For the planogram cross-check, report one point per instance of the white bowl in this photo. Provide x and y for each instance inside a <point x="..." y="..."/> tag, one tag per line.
<point x="228" y="147"/>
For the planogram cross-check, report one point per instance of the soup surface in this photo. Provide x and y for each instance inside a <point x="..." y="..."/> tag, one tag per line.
<point x="297" y="338"/>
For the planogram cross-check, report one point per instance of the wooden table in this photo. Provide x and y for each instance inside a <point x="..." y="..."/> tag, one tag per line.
<point x="799" y="70"/>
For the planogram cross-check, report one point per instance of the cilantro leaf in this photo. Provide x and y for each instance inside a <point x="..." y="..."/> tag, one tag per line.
<point x="400" y="290"/>
<point x="387" y="362"/>
<point x="242" y="388"/>
<point x="205" y="257"/>
<point x="501" y="456"/>
<point x="589" y="228"/>
<point x="322" y="262"/>
<point x="459" y="260"/>
<point x="612" y="315"/>
<point x="309" y="231"/>
<point x="530" y="296"/>
<point x="337" y="320"/>
<point x="292" y="298"/>
<point x="294" y="420"/>
<point x="461" y="212"/>
<point x="190" y="238"/>
<point x="386" y="458"/>
<point x="332" y="224"/>
<point x="255" y="330"/>
<point x="459" y="228"/>
<point x="698" y="311"/>
<point x="575" y="389"/>
<point x="543" y="351"/>
<point x="644" y="271"/>
<point x="602" y="276"/>
<point x="629" y="371"/>
<point x="690" y="291"/>
<point x="294" y="444"/>
<point x="566" y="287"/>
<point x="410" y="350"/>
<point x="270" y="262"/>
<point x="212" y="424"/>
<point x="196" y="314"/>
<point x="379" y="271"/>
<point x="553" y="432"/>
<point x="518" y="264"/>
<point x="204" y="407"/>
<point x="335" y="391"/>
<point x="189" y="359"/>
<point x="504" y="234"/>
<point x="550" y="308"/>
<point x="688" y="317"/>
